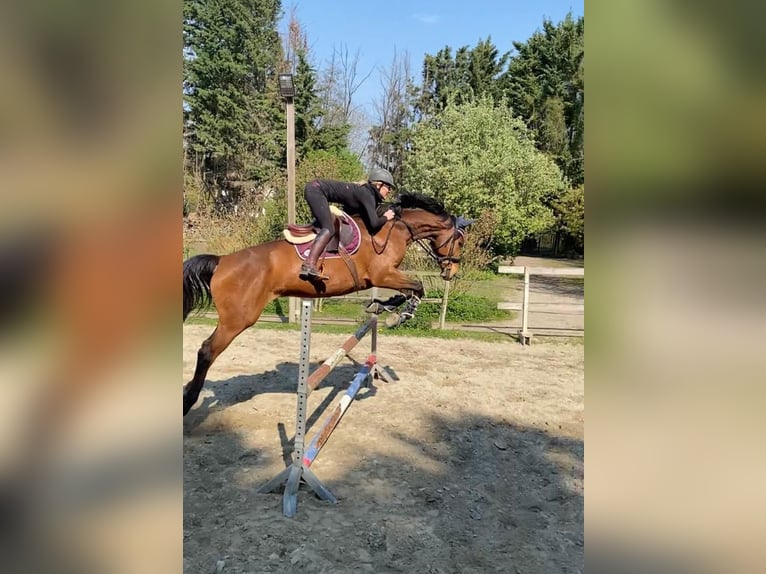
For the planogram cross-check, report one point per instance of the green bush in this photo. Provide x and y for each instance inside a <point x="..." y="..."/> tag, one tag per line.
<point x="423" y="319"/>
<point x="461" y="308"/>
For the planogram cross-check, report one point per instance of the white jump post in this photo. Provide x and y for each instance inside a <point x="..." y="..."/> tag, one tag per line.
<point x="302" y="458"/>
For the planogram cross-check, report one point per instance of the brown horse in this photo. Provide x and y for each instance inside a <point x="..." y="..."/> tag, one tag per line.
<point x="243" y="283"/>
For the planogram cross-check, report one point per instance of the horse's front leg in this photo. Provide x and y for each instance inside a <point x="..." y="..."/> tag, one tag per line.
<point x="377" y="306"/>
<point x="409" y="310"/>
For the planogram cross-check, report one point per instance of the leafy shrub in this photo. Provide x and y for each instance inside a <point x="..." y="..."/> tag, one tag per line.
<point x="461" y="308"/>
<point x="423" y="319"/>
<point x="477" y="254"/>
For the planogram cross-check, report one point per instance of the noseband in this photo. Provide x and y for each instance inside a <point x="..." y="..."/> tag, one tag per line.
<point x="449" y="257"/>
<point x="440" y="259"/>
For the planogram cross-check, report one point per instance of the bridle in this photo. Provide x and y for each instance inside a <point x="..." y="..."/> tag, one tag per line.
<point x="432" y="251"/>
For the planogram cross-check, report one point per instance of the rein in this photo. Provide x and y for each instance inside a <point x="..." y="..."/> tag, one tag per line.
<point x="388" y="237"/>
<point x="421" y="241"/>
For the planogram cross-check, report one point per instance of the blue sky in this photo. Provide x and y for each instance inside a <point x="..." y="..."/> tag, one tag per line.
<point x="381" y="29"/>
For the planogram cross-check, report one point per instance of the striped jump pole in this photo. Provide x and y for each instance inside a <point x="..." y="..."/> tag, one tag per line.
<point x="332" y="361"/>
<point x="320" y="438"/>
<point x="299" y="470"/>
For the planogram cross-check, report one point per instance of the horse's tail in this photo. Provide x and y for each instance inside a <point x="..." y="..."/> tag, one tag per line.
<point x="26" y="270"/>
<point x="198" y="271"/>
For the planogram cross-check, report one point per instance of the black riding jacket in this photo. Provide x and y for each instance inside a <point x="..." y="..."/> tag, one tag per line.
<point x="355" y="199"/>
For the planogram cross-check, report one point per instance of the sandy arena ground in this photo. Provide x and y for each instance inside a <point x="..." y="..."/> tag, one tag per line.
<point x="472" y="462"/>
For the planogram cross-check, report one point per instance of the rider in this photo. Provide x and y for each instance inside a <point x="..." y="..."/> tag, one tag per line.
<point x="356" y="199"/>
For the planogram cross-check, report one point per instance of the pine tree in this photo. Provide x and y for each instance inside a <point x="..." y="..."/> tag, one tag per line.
<point x="472" y="74"/>
<point x="312" y="130"/>
<point x="545" y="86"/>
<point x="232" y="114"/>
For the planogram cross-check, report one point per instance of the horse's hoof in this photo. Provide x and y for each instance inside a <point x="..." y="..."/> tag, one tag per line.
<point x="374" y="308"/>
<point x="377" y="306"/>
<point x="393" y="320"/>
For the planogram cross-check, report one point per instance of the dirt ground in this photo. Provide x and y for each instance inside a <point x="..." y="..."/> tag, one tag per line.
<point x="472" y="462"/>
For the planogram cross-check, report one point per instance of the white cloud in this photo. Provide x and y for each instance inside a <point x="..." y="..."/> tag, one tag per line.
<point x="426" y="18"/>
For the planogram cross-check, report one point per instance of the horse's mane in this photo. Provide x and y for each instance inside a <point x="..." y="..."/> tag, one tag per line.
<point x="413" y="200"/>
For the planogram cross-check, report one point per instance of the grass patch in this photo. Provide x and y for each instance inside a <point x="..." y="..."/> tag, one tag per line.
<point x="383" y="332"/>
<point x="547" y="340"/>
<point x="328" y="308"/>
<point x="461" y="308"/>
<point x="339" y="309"/>
<point x="492" y="286"/>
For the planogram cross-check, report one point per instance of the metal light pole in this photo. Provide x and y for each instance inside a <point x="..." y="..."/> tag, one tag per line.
<point x="287" y="91"/>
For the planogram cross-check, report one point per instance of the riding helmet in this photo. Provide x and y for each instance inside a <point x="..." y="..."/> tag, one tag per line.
<point x="380" y="174"/>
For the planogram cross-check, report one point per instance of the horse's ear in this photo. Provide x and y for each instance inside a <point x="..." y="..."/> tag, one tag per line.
<point x="462" y="223"/>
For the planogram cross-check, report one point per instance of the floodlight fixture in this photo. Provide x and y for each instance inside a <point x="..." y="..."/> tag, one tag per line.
<point x="286" y="86"/>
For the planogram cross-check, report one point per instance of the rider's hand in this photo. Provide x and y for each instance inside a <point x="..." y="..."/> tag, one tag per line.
<point x="389" y="214"/>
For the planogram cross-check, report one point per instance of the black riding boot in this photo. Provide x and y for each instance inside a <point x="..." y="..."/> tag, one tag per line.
<point x="309" y="267"/>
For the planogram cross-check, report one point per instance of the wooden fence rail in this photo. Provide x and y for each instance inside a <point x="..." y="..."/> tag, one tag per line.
<point x="525" y="336"/>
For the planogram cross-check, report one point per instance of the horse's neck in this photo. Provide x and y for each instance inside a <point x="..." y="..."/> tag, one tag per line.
<point x="422" y="224"/>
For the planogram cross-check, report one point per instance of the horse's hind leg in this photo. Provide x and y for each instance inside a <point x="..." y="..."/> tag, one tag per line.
<point x="210" y="349"/>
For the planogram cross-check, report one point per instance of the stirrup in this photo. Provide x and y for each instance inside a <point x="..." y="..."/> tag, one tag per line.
<point x="308" y="273"/>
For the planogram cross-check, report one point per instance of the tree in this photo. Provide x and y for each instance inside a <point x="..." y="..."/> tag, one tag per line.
<point x="312" y="132"/>
<point x="545" y="86"/>
<point x="232" y="113"/>
<point x="485" y="66"/>
<point x="478" y="156"/>
<point x="339" y="82"/>
<point x="473" y="73"/>
<point x="389" y="137"/>
<point x="444" y="78"/>
<point x="569" y="210"/>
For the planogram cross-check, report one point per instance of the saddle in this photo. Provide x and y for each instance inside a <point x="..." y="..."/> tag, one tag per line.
<point x="346" y="235"/>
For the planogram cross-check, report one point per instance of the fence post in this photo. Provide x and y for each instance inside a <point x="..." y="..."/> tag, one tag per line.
<point x="524" y="335"/>
<point x="445" y="296"/>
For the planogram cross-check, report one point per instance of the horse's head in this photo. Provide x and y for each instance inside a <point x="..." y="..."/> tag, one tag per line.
<point x="447" y="247"/>
<point x="427" y="219"/>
